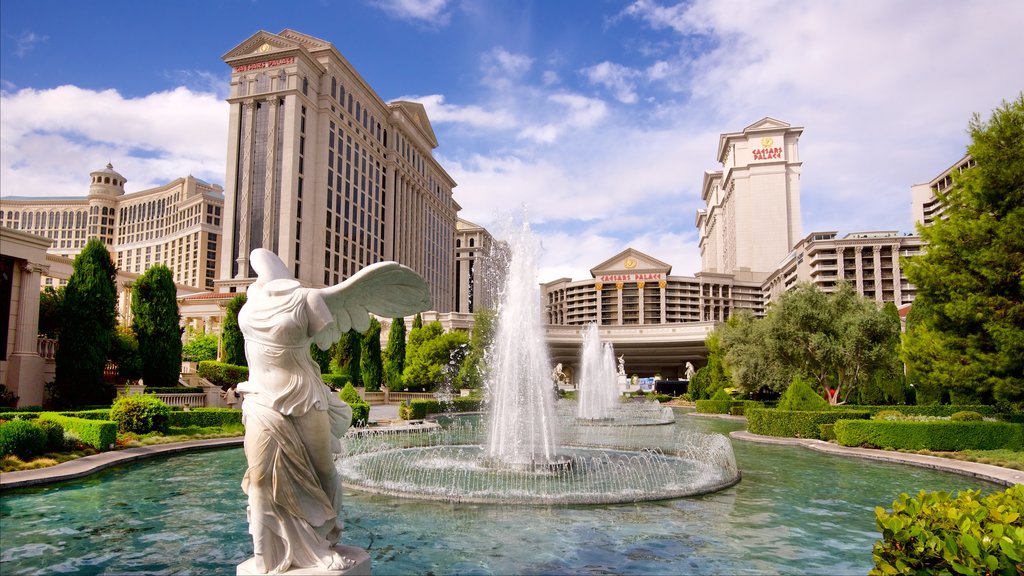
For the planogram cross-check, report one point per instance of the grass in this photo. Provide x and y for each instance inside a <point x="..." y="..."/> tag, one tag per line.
<point x="1002" y="458"/>
<point x="12" y="463"/>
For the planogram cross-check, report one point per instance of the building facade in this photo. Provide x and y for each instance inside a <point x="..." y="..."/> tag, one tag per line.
<point x="752" y="216"/>
<point x="326" y="174"/>
<point x="177" y="225"/>
<point x="473" y="267"/>
<point x="925" y="206"/>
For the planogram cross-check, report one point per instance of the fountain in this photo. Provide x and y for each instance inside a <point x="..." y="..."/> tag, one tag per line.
<point x="598" y="384"/>
<point x="515" y="456"/>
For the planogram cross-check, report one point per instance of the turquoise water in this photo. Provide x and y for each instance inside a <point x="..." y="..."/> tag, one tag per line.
<point x="794" y="512"/>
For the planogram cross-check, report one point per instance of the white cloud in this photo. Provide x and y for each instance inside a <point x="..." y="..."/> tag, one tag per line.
<point x="26" y="41"/>
<point x="51" y="139"/>
<point x="430" y="12"/>
<point x="476" y="116"/>
<point x="615" y="77"/>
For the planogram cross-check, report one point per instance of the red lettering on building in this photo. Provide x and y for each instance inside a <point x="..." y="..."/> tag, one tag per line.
<point x="768" y="153"/>
<point x="265" y="64"/>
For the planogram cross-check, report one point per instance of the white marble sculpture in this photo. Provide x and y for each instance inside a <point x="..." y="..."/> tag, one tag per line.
<point x="292" y="419"/>
<point x="690" y="371"/>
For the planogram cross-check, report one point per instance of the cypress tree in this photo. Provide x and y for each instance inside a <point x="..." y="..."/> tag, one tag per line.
<point x="157" y="326"/>
<point x="394" y="355"/>
<point x="370" y="360"/>
<point x="231" y="334"/>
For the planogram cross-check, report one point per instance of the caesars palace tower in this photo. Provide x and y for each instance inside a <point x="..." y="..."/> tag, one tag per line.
<point x="326" y="174"/>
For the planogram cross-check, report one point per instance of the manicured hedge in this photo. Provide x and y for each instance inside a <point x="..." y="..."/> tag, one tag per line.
<point x="940" y="410"/>
<point x="713" y="406"/>
<point x="23" y="438"/>
<point x="421" y="408"/>
<point x="205" y="417"/>
<point x="335" y="381"/>
<point x="795" y="423"/>
<point x="936" y="533"/>
<point x="222" y="374"/>
<point x="360" y="413"/>
<point x="740" y="407"/>
<point x="938" y="435"/>
<point x="96" y="414"/>
<point x="99" y="434"/>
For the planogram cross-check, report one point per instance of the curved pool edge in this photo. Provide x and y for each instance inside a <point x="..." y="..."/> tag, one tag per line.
<point x="81" y="467"/>
<point x="995" y="474"/>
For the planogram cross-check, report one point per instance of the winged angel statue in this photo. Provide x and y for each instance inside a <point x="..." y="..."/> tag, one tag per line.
<point x="292" y="419"/>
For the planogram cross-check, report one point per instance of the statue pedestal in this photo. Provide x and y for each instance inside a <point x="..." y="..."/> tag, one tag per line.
<point x="361" y="567"/>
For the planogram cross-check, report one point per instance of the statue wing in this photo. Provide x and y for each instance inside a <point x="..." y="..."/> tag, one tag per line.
<point x="386" y="289"/>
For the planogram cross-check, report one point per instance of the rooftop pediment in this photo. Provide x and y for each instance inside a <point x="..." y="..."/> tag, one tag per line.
<point x="630" y="261"/>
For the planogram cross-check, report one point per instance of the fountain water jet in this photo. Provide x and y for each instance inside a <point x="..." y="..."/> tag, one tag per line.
<point x="598" y="385"/>
<point x="516" y="457"/>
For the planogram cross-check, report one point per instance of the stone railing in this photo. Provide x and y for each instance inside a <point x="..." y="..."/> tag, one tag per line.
<point x="388" y="397"/>
<point x="187" y="400"/>
<point x="47" y="348"/>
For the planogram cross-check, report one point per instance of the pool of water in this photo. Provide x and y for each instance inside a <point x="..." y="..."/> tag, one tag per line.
<point x="795" y="511"/>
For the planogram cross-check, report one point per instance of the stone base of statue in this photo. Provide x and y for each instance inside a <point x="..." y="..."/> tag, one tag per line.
<point x="360" y="568"/>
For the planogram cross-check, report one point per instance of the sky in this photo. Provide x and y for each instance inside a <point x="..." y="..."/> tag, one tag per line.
<point x="595" y="118"/>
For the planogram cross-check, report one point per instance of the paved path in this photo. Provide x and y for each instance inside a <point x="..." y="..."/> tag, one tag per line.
<point x="997" y="474"/>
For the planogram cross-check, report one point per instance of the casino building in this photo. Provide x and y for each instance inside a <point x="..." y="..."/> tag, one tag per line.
<point x="326" y="174"/>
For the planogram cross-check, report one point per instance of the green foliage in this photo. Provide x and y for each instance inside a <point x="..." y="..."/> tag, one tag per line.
<point x="54" y="435"/>
<point x="718" y="375"/>
<point x="713" y="406"/>
<point x="360" y="409"/>
<point x="840" y="340"/>
<point x="50" y="319"/>
<point x="421" y="408"/>
<point x="966" y="416"/>
<point x="124" y="351"/>
<point x="140" y="414"/>
<point x="417" y="322"/>
<point x="100" y="434"/>
<point x="800" y="396"/>
<point x="88" y="322"/>
<point x="430" y="352"/>
<point x="938" y="435"/>
<point x="394" y="355"/>
<point x="345" y="356"/>
<point x="721" y="395"/>
<point x="795" y="423"/>
<point x="7" y="398"/>
<point x="205" y="417"/>
<point x="222" y="374"/>
<point x="887" y="415"/>
<point x="156" y="323"/>
<point x="939" y="410"/>
<point x="334" y="381"/>
<point x="935" y="533"/>
<point x="700" y="384"/>
<point x="199" y="348"/>
<point x="473" y="372"/>
<point x="370" y="357"/>
<point x="23" y="438"/>
<point x="968" y="337"/>
<point x="321" y="357"/>
<point x="231" y="333"/>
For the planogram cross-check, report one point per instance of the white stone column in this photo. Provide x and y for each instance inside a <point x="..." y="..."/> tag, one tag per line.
<point x="618" y="294"/>
<point x="876" y="252"/>
<point x="244" y="192"/>
<point x="661" y="289"/>
<point x="857" y="255"/>
<point x="25" y="365"/>
<point x="269" y="215"/>
<point x="597" y="288"/>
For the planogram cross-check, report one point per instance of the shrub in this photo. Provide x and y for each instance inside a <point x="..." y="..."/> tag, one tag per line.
<point x="22" y="438"/>
<point x="334" y="381"/>
<point x="887" y="415"/>
<point x="939" y="410"/>
<point x="99" y="434"/>
<point x="966" y="416"/>
<point x="800" y="396"/>
<point x="937" y="534"/>
<point x="795" y="423"/>
<point x="54" y="435"/>
<point x="360" y="409"/>
<point x="827" y="432"/>
<point x="938" y="435"/>
<point x="222" y="374"/>
<point x="205" y="417"/>
<point x="713" y="406"/>
<point x="140" y="414"/>
<point x="420" y="408"/>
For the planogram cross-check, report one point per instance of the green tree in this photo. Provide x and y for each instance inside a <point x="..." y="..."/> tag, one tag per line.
<point x="88" y="322"/>
<point x="231" y="334"/>
<point x="970" y="336"/>
<point x="434" y="351"/>
<point x="473" y="373"/>
<point x="50" y="318"/>
<point x="124" y="351"/>
<point x="321" y="357"/>
<point x="345" y="357"/>
<point x="417" y="322"/>
<point x="157" y="325"/>
<point x="719" y="378"/>
<point x="839" y="340"/>
<point x="369" y="358"/>
<point x="199" y="347"/>
<point x="394" y="355"/>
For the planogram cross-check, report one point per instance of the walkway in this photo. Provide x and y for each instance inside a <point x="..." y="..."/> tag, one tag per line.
<point x="997" y="474"/>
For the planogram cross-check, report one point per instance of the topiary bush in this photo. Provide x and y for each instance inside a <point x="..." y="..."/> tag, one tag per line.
<point x="334" y="381"/>
<point x="360" y="409"/>
<point x="800" y="396"/>
<point x="966" y="416"/>
<point x="54" y="435"/>
<point x="937" y="435"/>
<point x="205" y="417"/>
<point x="140" y="414"/>
<point x="935" y="533"/>
<point x="420" y="408"/>
<point x="22" y="438"/>
<point x="99" y="434"/>
<point x="222" y="374"/>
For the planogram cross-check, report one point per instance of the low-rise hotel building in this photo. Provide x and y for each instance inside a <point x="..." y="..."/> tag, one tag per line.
<point x="925" y="205"/>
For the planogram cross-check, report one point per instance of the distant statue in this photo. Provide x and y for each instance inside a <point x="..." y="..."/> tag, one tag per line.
<point x="622" y="366"/>
<point x="292" y="419"/>
<point x="558" y="375"/>
<point x="690" y="371"/>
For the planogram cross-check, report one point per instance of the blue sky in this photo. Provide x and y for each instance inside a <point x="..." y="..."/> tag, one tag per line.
<point x="600" y="116"/>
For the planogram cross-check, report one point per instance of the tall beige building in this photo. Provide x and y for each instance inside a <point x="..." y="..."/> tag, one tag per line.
<point x="925" y="206"/>
<point x="752" y="214"/>
<point x="326" y="174"/>
<point x="177" y="224"/>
